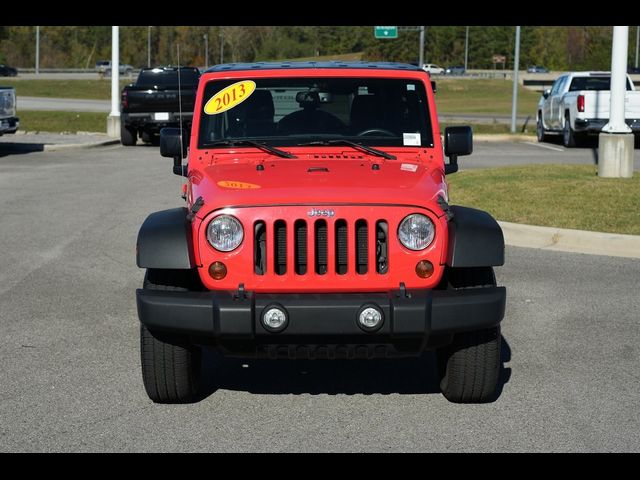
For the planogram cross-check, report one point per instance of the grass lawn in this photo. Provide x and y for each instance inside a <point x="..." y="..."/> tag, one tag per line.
<point x="88" y="89"/>
<point x="483" y="128"/>
<point x="565" y="196"/>
<point x="482" y="96"/>
<point x="41" y="121"/>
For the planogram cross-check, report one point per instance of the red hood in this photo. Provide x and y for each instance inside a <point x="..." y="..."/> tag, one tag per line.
<point x="311" y="179"/>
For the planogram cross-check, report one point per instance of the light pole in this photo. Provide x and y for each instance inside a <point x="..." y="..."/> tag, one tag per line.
<point x="38" y="51"/>
<point x="466" y="49"/>
<point x="206" y="51"/>
<point x="516" y="65"/>
<point x="113" y="121"/>
<point x="421" y="56"/>
<point x="615" y="142"/>
<point x="149" y="47"/>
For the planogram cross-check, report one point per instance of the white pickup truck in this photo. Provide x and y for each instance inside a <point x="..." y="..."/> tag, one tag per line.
<point x="578" y="104"/>
<point x="9" y="123"/>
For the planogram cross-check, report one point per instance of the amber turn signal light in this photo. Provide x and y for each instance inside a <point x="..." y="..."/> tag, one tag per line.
<point x="424" y="269"/>
<point x="217" y="270"/>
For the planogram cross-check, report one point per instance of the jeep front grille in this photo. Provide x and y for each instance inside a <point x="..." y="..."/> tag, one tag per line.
<point x="320" y="246"/>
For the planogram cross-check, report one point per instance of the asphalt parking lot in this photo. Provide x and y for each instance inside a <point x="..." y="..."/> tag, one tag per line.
<point x="70" y="377"/>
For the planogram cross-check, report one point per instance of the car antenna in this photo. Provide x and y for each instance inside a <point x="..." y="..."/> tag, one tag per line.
<point x="180" y="113"/>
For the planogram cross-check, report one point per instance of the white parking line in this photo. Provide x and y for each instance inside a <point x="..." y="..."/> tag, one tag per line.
<point x="557" y="149"/>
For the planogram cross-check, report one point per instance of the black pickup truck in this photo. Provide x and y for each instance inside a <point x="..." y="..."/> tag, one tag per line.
<point x="152" y="103"/>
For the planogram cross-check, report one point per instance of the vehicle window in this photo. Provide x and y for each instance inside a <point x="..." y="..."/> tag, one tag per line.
<point x="556" y="85"/>
<point x="593" y="83"/>
<point x="168" y="77"/>
<point x="292" y="111"/>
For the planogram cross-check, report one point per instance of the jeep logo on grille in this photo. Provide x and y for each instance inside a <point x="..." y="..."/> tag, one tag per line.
<point x="314" y="212"/>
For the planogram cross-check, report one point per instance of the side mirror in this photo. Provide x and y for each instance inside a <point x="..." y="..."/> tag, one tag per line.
<point x="433" y="86"/>
<point x="546" y="93"/>
<point x="173" y="144"/>
<point x="457" y="141"/>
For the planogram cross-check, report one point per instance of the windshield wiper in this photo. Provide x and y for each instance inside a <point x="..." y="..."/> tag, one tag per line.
<point x="261" y="146"/>
<point x="357" y="146"/>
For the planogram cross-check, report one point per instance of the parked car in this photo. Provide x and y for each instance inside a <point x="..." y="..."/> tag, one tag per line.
<point x="152" y="102"/>
<point x="456" y="70"/>
<point x="633" y="70"/>
<point x="433" y="69"/>
<point x="7" y="71"/>
<point x="316" y="225"/>
<point x="537" y="69"/>
<point x="578" y="105"/>
<point x="9" y="123"/>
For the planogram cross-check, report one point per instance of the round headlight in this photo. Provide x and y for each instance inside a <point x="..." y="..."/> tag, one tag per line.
<point x="416" y="232"/>
<point x="225" y="233"/>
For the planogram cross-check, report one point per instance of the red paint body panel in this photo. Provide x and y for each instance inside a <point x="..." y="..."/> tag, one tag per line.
<point x="324" y="177"/>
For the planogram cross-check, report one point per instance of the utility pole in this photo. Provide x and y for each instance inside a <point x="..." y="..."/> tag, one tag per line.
<point x="516" y="65"/>
<point x="466" y="49"/>
<point x="149" y="47"/>
<point x="221" y="46"/>
<point x="38" y="50"/>
<point x="637" y="43"/>
<point x="421" y="56"/>
<point x="615" y="142"/>
<point x="206" y="51"/>
<point x="113" y="120"/>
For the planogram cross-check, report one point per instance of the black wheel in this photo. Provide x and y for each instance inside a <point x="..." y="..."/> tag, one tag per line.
<point x="541" y="133"/>
<point x="569" y="138"/>
<point x="469" y="367"/>
<point x="128" y="135"/>
<point x="171" y="365"/>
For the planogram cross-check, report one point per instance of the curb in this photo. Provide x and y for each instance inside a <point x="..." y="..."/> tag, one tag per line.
<point x="503" y="137"/>
<point x="573" y="241"/>
<point x="70" y="146"/>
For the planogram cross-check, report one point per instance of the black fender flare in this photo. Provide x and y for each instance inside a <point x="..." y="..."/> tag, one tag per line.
<point x="475" y="239"/>
<point x="165" y="241"/>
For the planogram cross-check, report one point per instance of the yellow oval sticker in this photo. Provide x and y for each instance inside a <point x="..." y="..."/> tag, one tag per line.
<point x="229" y="97"/>
<point x="237" y="185"/>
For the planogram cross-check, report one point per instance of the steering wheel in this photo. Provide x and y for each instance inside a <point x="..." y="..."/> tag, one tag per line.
<point x="386" y="133"/>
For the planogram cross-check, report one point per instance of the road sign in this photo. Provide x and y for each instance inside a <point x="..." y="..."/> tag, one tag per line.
<point x="385" y="32"/>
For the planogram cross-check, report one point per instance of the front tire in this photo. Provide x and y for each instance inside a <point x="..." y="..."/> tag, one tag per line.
<point x="171" y="365"/>
<point x="541" y="133"/>
<point x="469" y="368"/>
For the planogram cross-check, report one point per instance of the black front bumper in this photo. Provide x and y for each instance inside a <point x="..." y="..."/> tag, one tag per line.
<point x="411" y="319"/>
<point x="9" y="125"/>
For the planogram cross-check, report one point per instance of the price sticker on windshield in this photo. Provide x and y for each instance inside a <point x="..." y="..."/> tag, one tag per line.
<point x="229" y="97"/>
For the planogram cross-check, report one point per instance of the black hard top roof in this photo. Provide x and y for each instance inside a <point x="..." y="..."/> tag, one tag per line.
<point x="227" y="67"/>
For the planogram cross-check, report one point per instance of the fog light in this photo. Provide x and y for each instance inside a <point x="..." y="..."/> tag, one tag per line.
<point x="217" y="270"/>
<point x="370" y="318"/>
<point x="274" y="319"/>
<point x="424" y="269"/>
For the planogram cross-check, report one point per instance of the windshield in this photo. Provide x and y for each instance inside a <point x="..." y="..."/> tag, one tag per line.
<point x="295" y="111"/>
<point x="168" y="77"/>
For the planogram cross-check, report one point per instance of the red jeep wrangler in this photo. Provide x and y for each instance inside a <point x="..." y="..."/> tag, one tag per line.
<point x="317" y="226"/>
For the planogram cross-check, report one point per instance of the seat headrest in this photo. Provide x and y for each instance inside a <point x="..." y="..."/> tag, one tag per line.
<point x="259" y="106"/>
<point x="309" y="99"/>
